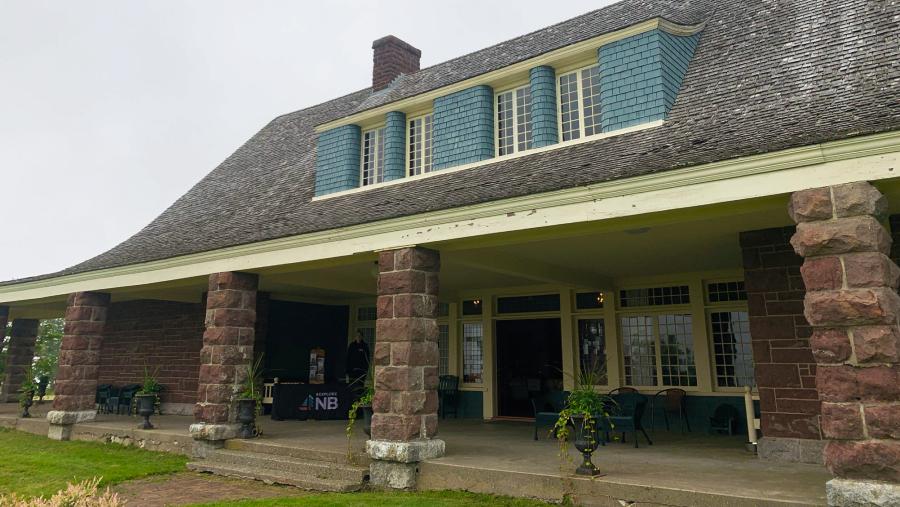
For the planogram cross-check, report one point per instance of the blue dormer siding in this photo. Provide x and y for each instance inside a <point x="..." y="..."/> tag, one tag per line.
<point x="544" y="124"/>
<point x="337" y="159"/>
<point x="640" y="77"/>
<point x="394" y="146"/>
<point x="463" y="127"/>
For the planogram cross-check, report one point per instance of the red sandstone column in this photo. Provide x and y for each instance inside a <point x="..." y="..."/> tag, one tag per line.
<point x="225" y="357"/>
<point x="405" y="420"/>
<point x="79" y="363"/>
<point x="19" y="356"/>
<point x="852" y="303"/>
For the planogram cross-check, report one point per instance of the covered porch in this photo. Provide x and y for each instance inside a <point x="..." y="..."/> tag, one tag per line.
<point x="707" y="299"/>
<point x="500" y="457"/>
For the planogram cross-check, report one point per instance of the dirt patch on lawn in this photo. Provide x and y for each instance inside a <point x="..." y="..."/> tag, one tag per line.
<point x="190" y="488"/>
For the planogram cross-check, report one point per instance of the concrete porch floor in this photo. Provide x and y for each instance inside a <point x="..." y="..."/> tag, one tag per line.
<point x="501" y="457"/>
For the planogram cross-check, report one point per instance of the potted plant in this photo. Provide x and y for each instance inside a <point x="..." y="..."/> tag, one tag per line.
<point x="147" y="398"/>
<point x="26" y="392"/>
<point x="585" y="409"/>
<point x="363" y="403"/>
<point x="249" y="400"/>
<point x="43" y="382"/>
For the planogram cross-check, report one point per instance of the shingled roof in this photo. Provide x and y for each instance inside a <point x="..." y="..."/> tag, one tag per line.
<point x="766" y="76"/>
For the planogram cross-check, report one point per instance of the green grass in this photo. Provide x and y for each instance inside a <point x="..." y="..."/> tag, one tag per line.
<point x="34" y="465"/>
<point x="429" y="498"/>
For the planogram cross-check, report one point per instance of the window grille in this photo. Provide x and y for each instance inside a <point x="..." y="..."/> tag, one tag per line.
<point x="732" y="349"/>
<point x="373" y="157"/>
<point x="654" y="296"/>
<point x="579" y="103"/>
<point x="514" y="121"/>
<point x="720" y="292"/>
<point x="420" y="144"/>
<point x="473" y="353"/>
<point x="444" y="349"/>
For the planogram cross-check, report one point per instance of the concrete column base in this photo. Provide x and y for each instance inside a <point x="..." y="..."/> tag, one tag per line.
<point x="61" y="422"/>
<point x="395" y="464"/>
<point x="202" y="448"/>
<point x="392" y="475"/>
<point x="791" y="450"/>
<point x="852" y="493"/>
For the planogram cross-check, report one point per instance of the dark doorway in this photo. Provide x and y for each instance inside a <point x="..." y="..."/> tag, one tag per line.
<point x="529" y="362"/>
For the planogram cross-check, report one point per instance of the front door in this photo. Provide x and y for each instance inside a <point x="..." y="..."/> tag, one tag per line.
<point x="529" y="362"/>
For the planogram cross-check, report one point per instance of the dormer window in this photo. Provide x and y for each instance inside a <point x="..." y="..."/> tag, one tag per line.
<point x="579" y="103"/>
<point x="372" y="157"/>
<point x="419" y="145"/>
<point x="514" y="121"/>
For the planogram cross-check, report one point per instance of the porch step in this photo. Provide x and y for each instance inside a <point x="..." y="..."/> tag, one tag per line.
<point x="311" y="474"/>
<point x="261" y="447"/>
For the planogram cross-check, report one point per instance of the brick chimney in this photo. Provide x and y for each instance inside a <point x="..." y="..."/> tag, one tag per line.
<point x="392" y="57"/>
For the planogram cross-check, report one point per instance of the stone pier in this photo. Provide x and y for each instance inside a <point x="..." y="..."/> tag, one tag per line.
<point x="75" y="387"/>
<point x="405" y="422"/>
<point x="853" y="306"/>
<point x="19" y="356"/>
<point x="225" y="357"/>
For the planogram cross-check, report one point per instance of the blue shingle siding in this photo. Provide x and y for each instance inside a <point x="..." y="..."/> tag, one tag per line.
<point x="337" y="159"/>
<point x="640" y="77"/>
<point x="463" y="127"/>
<point x="544" y="127"/>
<point x="394" y="145"/>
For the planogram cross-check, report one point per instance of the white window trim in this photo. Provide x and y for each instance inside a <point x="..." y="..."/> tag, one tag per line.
<point x="407" y="168"/>
<point x="379" y="135"/>
<point x="515" y="123"/>
<point x="559" y="122"/>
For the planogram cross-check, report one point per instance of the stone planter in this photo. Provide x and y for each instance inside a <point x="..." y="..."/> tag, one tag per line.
<point x="246" y="415"/>
<point x="27" y="402"/>
<point x="146" y="405"/>
<point x="367" y="419"/>
<point x="585" y="439"/>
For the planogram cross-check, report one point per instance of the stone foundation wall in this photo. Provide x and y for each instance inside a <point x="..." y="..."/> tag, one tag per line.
<point x="784" y="365"/>
<point x="162" y="336"/>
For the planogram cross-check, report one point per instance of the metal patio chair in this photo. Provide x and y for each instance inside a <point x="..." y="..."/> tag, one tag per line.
<point x="672" y="401"/>
<point x="448" y="395"/>
<point x="628" y="416"/>
<point x="547" y="408"/>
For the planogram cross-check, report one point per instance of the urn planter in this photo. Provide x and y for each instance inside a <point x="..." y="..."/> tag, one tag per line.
<point x="246" y="415"/>
<point x="367" y="419"/>
<point x="586" y="438"/>
<point x="146" y="405"/>
<point x="27" y="402"/>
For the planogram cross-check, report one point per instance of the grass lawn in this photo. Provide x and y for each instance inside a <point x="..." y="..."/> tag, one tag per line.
<point x="34" y="465"/>
<point x="428" y="498"/>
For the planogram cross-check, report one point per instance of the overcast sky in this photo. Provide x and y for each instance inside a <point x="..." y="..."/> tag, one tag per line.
<point x="109" y="111"/>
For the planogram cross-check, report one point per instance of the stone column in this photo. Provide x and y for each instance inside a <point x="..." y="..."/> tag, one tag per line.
<point x="19" y="356"/>
<point x="853" y="306"/>
<point x="225" y="357"/>
<point x="79" y="363"/>
<point x="406" y="357"/>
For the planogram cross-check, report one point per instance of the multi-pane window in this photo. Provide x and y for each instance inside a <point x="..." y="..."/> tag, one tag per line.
<point x="721" y="292"/>
<point x="579" y="103"/>
<point x="639" y="350"/>
<point x="731" y="348"/>
<point x="473" y="352"/>
<point x="514" y="121"/>
<point x="655" y="296"/>
<point x="592" y="346"/>
<point x="420" y="144"/>
<point x="443" y="349"/>
<point x="676" y="350"/>
<point x="658" y="350"/>
<point x="366" y="313"/>
<point x="372" y="157"/>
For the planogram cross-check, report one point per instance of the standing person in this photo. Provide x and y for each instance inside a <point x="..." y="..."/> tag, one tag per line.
<point x="358" y="361"/>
